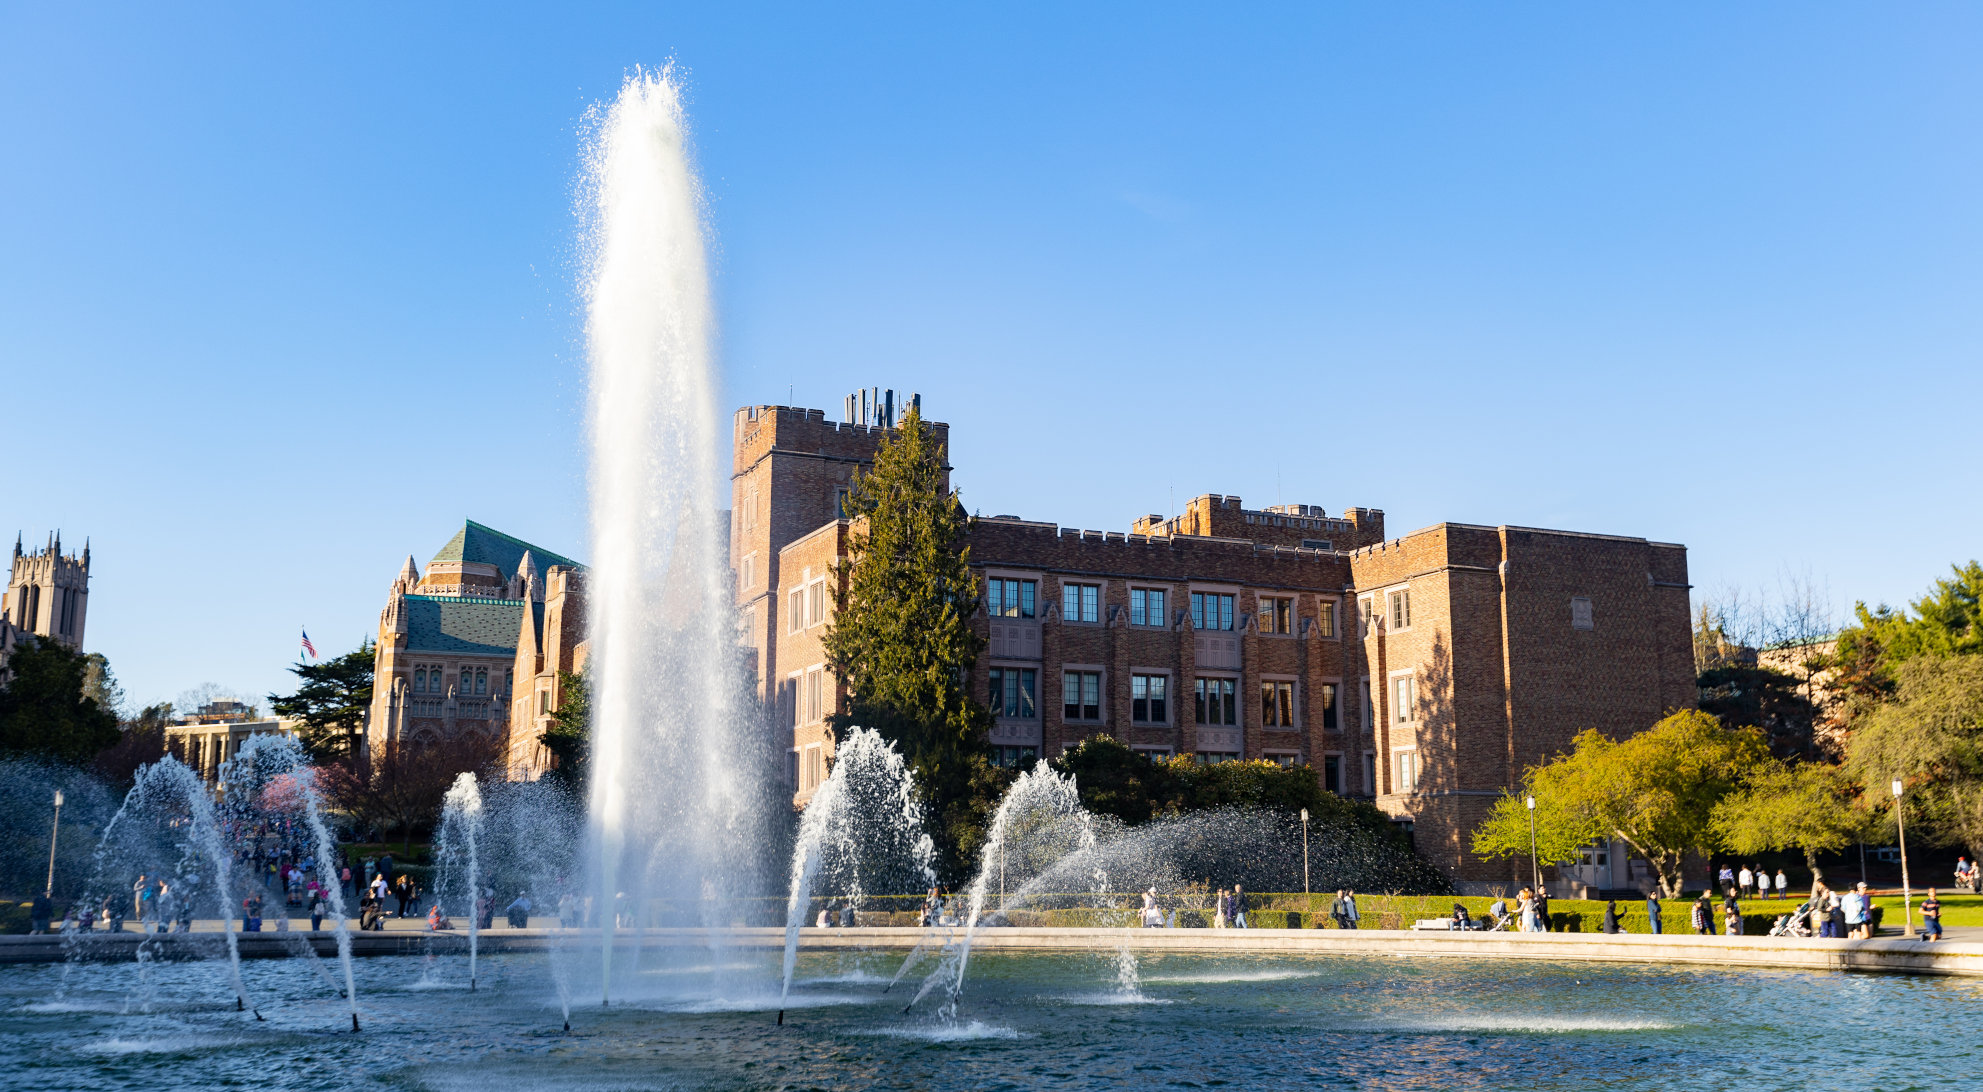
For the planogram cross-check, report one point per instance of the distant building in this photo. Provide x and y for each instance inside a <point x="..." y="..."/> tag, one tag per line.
<point x="205" y="739"/>
<point x="47" y="597"/>
<point x="446" y="663"/>
<point x="1423" y="672"/>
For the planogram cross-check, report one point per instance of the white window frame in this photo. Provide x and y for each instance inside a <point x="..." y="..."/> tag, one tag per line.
<point x="795" y="610"/>
<point x="1366" y="616"/>
<point x="1404" y="707"/>
<point x="816" y="603"/>
<point x="1398" y="609"/>
<point x="1405" y="767"/>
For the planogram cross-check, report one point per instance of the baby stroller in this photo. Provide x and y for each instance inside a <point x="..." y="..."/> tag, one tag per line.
<point x="1795" y="924"/>
<point x="1503" y="920"/>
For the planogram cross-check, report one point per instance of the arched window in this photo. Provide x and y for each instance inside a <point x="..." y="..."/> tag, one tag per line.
<point x="482" y="681"/>
<point x="509" y="681"/>
<point x="467" y="680"/>
<point x="420" y="680"/>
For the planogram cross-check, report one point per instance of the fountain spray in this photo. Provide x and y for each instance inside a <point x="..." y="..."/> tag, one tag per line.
<point x="461" y="830"/>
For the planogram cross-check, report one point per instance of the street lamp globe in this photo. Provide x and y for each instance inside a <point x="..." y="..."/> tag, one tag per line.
<point x="1896" y="786"/>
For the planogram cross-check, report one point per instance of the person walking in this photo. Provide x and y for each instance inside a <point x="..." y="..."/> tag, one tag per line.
<point x="1339" y="912"/>
<point x="317" y="909"/>
<point x="1356" y="919"/>
<point x="1222" y="910"/>
<point x="1652" y="912"/>
<point x="1526" y="900"/>
<point x="1854" y="908"/>
<point x="518" y="911"/>
<point x="39" y="913"/>
<point x="1703" y="915"/>
<point x="1931" y="917"/>
<point x="1726" y="878"/>
<point x="1745" y="881"/>
<point x="1542" y="922"/>
<point x="1782" y="885"/>
<point x="1238" y="906"/>
<point x="1611" y="916"/>
<point x="1153" y="918"/>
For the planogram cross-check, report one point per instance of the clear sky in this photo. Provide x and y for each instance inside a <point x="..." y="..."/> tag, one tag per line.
<point x="287" y="291"/>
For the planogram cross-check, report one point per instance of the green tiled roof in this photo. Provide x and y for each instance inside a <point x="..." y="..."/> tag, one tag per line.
<point x="467" y="626"/>
<point x="488" y="546"/>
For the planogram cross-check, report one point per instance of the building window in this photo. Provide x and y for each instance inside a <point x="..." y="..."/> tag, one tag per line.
<point x="1081" y="694"/>
<point x="792" y="769"/>
<point x="839" y="504"/>
<point x="1276" y="704"/>
<point x="509" y="681"/>
<point x="1149" y="699"/>
<point x="1365" y="710"/>
<point x="1211" y="611"/>
<point x="1009" y="598"/>
<point x="1400" y="607"/>
<point x="1317" y="544"/>
<point x="1325" y="703"/>
<point x="815" y="695"/>
<point x="1407" y="771"/>
<point x="747" y="572"/>
<point x="1370" y="772"/>
<point x="1012" y="690"/>
<point x="816" y="603"/>
<point x="1332" y="773"/>
<point x="1014" y="757"/>
<point x="795" y="610"/>
<point x="419" y="680"/>
<point x="1146" y="607"/>
<point x="1404" y="694"/>
<point x="790" y="698"/>
<point x="467" y="680"/>
<point x="1580" y="613"/>
<point x="1366" y="615"/>
<point x="543" y="703"/>
<point x="482" y="681"/>
<point x="1276" y="615"/>
<point x="815" y="767"/>
<point x="1325" y="618"/>
<point x="1080" y="602"/>
<point x="1213" y="758"/>
<point x="1283" y="758"/>
<point x="1216" y="701"/>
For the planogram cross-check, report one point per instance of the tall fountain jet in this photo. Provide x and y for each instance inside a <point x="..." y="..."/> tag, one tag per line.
<point x="675" y="813"/>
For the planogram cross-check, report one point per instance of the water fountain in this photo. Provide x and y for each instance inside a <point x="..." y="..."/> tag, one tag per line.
<point x="680" y="768"/>
<point x="862" y="831"/>
<point x="456" y="846"/>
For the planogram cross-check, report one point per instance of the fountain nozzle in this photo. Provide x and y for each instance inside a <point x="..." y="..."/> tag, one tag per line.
<point x="354" y="1021"/>
<point x="781" y="1018"/>
<point x="568" y="1025"/>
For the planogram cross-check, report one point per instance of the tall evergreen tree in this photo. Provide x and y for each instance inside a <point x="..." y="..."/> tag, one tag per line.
<point x="901" y="637"/>
<point x="331" y="703"/>
<point x="44" y="709"/>
<point x="569" y="738"/>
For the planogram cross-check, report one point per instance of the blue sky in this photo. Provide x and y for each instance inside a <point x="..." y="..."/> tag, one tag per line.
<point x="287" y="294"/>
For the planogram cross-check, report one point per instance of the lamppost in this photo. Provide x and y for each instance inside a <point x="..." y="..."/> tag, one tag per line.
<point x="1906" y="890"/>
<point x="1304" y="856"/>
<point x="53" y="830"/>
<point x="1535" y="866"/>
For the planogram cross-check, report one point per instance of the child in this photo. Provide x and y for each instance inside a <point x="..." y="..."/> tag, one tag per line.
<point x="1931" y="917"/>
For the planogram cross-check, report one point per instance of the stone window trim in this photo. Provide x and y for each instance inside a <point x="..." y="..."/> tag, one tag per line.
<point x="1158" y="619"/>
<point x="1100" y="599"/>
<point x="1316" y="693"/>
<point x="1169" y="699"/>
<point x="1035" y="577"/>
<point x="1281" y="756"/>
<point x="1403" y="700"/>
<point x="1274" y="614"/>
<point x="1580" y="613"/>
<point x="1398" y="609"/>
<point x="1103" y="695"/>
<point x="1406" y="770"/>
<point x="1329" y="617"/>
<point x="1367" y="621"/>
<point x="1236" y="700"/>
<point x="1341" y="787"/>
<point x="1295" y="698"/>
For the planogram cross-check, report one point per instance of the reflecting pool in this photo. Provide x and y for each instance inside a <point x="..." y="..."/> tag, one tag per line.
<point x="1025" y="1021"/>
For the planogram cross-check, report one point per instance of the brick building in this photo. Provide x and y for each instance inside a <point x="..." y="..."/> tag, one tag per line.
<point x="1423" y="672"/>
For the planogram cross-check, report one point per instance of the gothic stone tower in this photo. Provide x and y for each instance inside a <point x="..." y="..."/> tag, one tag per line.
<point x="48" y="593"/>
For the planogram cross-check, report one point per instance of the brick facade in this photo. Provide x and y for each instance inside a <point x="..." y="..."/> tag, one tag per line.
<point x="1423" y="672"/>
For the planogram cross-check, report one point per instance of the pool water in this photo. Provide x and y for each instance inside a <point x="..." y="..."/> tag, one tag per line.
<point x="1025" y="1021"/>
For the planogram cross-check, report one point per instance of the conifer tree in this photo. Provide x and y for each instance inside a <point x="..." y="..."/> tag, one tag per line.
<point x="901" y="638"/>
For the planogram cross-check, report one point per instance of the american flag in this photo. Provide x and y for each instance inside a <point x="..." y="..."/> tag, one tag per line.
<point x="307" y="646"/>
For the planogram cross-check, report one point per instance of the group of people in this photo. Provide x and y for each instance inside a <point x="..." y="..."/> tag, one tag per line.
<point x="1754" y="882"/>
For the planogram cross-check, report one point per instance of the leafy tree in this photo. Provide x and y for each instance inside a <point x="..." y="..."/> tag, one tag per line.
<point x="1806" y="806"/>
<point x="331" y="703"/>
<point x="1656" y="792"/>
<point x="44" y="710"/>
<point x="1742" y="696"/>
<point x="100" y="685"/>
<point x="1931" y="737"/>
<point x="400" y="785"/>
<point x="901" y="637"/>
<point x="141" y="741"/>
<point x="569" y="738"/>
<point x="1945" y="622"/>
